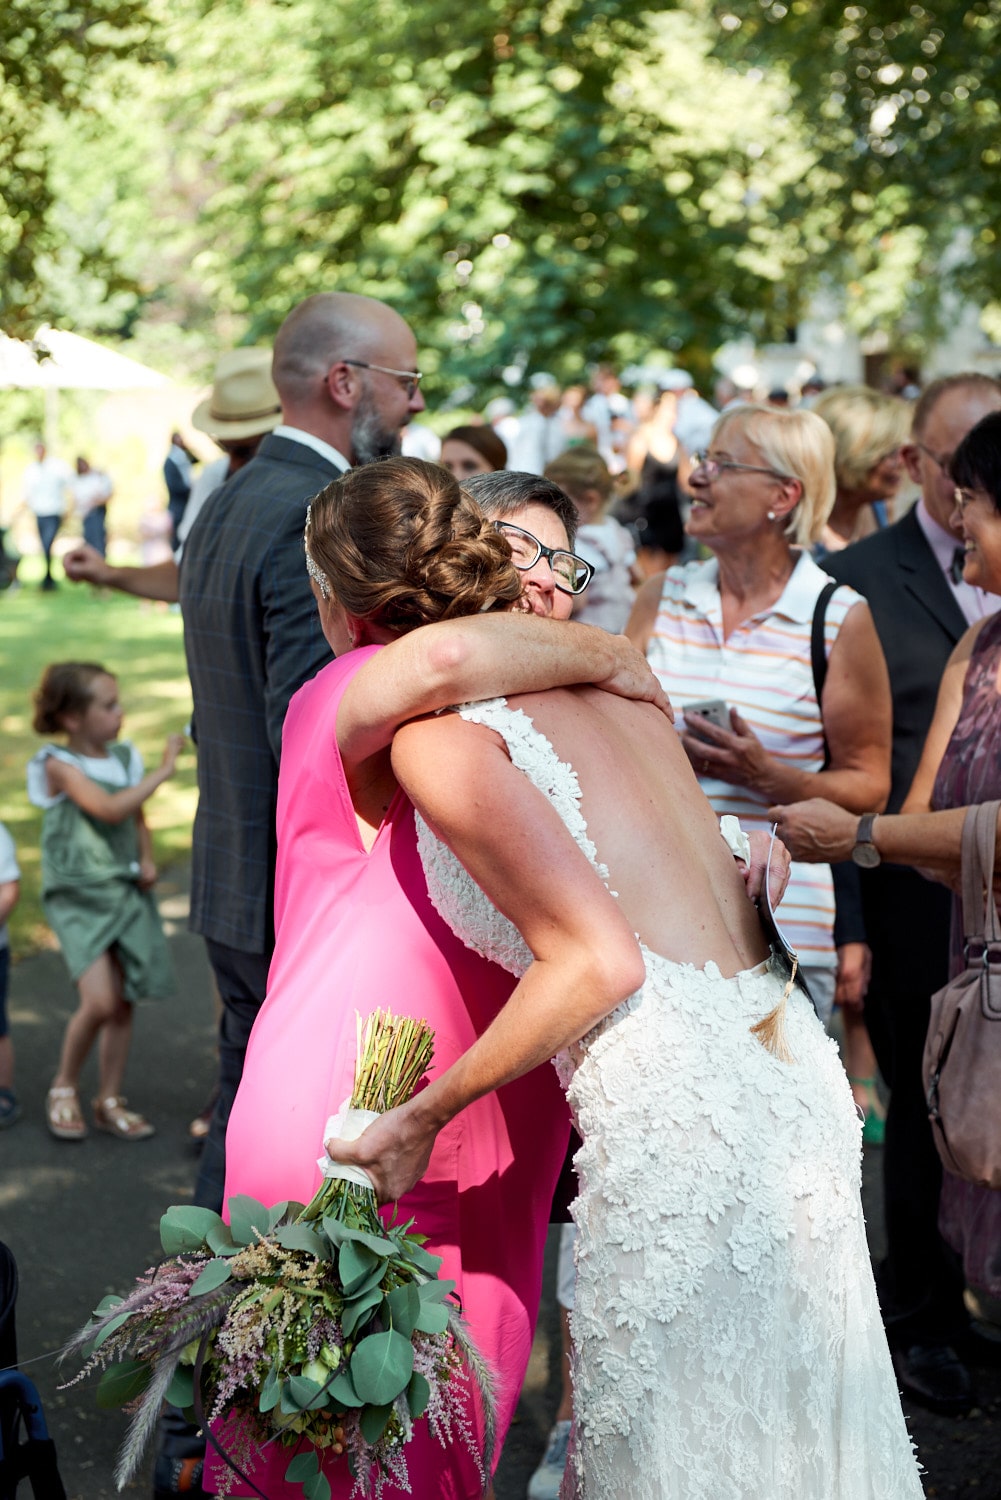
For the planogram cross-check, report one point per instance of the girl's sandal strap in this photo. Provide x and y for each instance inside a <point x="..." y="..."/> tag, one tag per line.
<point x="112" y="1116"/>
<point x="63" y="1114"/>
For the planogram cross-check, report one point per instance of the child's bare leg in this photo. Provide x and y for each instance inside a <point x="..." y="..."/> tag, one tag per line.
<point x="100" y="997"/>
<point x="113" y="1053"/>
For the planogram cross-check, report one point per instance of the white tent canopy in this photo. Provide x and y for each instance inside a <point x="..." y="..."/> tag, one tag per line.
<point x="58" y="361"/>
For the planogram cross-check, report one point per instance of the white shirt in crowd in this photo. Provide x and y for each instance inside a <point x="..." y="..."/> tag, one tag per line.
<point x="45" y="487"/>
<point x="89" y="491"/>
<point x="540" y="439"/>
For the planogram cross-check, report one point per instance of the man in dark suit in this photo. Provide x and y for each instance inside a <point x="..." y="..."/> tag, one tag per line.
<point x="910" y="576"/>
<point x="345" y="370"/>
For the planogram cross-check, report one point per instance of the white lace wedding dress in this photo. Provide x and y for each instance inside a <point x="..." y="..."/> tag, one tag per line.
<point x="727" y="1339"/>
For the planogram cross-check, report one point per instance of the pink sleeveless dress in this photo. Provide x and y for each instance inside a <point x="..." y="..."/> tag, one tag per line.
<point x="354" y="931"/>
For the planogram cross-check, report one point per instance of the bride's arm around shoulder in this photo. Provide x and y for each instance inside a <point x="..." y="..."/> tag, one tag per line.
<point x="586" y="958"/>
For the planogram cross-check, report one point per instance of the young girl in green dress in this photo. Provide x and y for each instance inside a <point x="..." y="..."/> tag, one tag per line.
<point x="97" y="879"/>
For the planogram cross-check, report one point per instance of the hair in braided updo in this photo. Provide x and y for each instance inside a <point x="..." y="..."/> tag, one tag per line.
<point x="402" y="545"/>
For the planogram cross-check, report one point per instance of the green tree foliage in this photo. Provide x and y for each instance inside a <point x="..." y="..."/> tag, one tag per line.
<point x="902" y="104"/>
<point x="529" y="185"/>
<point x="48" y="53"/>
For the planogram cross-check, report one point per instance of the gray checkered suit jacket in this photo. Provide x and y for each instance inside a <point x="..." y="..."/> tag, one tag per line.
<point x="252" y="639"/>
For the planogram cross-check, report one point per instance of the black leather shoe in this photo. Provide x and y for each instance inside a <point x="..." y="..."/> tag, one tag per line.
<point x="934" y="1376"/>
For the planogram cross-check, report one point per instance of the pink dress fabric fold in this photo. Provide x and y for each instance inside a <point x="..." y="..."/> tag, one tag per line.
<point x="356" y="931"/>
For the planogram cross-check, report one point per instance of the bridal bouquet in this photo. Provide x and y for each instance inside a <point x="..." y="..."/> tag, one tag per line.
<point x="319" y="1328"/>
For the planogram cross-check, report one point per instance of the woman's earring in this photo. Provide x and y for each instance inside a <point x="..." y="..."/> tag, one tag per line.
<point x="771" y="515"/>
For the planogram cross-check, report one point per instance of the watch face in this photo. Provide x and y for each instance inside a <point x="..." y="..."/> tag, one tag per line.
<point x="866" y="855"/>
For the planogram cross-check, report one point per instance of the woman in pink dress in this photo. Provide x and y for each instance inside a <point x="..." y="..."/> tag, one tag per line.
<point x="355" y="930"/>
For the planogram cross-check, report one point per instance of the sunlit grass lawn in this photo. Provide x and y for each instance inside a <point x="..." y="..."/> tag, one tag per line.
<point x="142" y="645"/>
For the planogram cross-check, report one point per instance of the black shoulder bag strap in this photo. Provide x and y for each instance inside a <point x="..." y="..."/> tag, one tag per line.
<point x="818" y="653"/>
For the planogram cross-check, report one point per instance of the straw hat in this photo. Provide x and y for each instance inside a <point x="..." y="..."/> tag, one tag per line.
<point x="244" y="401"/>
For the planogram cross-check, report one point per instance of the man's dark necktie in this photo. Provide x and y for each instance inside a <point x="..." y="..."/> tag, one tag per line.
<point x="956" y="566"/>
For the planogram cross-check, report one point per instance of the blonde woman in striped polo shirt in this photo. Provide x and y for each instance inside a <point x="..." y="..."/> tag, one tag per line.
<point x="737" y="628"/>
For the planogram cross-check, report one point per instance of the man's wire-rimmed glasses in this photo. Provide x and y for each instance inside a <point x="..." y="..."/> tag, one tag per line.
<point x="940" y="463"/>
<point x="712" y="467"/>
<point x="409" y="379"/>
<point x="571" y="573"/>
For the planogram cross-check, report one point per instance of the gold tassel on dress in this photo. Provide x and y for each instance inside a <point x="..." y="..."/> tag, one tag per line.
<point x="770" y="1030"/>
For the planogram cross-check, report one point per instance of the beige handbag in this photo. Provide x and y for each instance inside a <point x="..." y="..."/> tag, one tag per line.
<point x="962" y="1058"/>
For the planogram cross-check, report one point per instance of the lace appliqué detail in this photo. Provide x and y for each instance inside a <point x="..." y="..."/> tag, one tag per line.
<point x="727" y="1338"/>
<point x="454" y="894"/>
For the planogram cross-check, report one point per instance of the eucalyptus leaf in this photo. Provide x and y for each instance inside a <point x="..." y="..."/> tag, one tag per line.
<point x="278" y="1213"/>
<point x="433" y="1317"/>
<point x="247" y="1218"/>
<point x="215" y="1273"/>
<point x="184" y="1227"/>
<point x="373" y="1422"/>
<point x="317" y="1488"/>
<point x="418" y="1395"/>
<point x="422" y="1258"/>
<point x="381" y="1366"/>
<point x="342" y="1234"/>
<point x="359" y="1308"/>
<point x="303" y="1467"/>
<point x="355" y="1263"/>
<point x="302" y="1390"/>
<point x="181" y="1390"/>
<point x="106" y="1304"/>
<point x="304" y="1237"/>
<point x="270" y="1391"/>
<point x="108" y="1329"/>
<point x="220" y="1241"/>
<point x="342" y="1392"/>
<point x="435" y="1291"/>
<point x="122" y="1382"/>
<point x="403" y="1305"/>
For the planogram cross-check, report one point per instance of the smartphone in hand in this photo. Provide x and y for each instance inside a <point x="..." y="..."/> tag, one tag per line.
<point x="713" y="709"/>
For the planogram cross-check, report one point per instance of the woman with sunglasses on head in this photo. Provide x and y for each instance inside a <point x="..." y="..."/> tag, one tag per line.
<point x="736" y="631"/>
<point x="727" y="1336"/>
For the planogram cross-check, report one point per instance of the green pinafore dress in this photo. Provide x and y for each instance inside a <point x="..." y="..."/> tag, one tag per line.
<point x="90" y="893"/>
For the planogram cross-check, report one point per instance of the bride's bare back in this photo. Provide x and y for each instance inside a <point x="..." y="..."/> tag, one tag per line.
<point x="677" y="884"/>
<point x="676" y="881"/>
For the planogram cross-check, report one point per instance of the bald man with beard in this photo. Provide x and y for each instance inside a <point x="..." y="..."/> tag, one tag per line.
<point x="345" y="370"/>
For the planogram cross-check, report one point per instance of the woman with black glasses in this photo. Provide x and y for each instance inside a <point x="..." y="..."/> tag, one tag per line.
<point x="736" y="632"/>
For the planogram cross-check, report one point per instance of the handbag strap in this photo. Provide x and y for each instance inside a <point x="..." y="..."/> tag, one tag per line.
<point x="818" y="655"/>
<point x="987" y="818"/>
<point x="980" y="917"/>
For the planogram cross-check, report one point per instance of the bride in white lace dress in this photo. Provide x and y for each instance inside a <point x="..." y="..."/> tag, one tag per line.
<point x="727" y="1338"/>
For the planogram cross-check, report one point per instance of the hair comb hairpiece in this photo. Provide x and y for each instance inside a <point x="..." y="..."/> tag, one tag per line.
<point x="318" y="576"/>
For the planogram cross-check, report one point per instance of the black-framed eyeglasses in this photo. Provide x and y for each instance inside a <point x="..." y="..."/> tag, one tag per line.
<point x="712" y="467"/>
<point x="409" y="379"/>
<point x="571" y="573"/>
